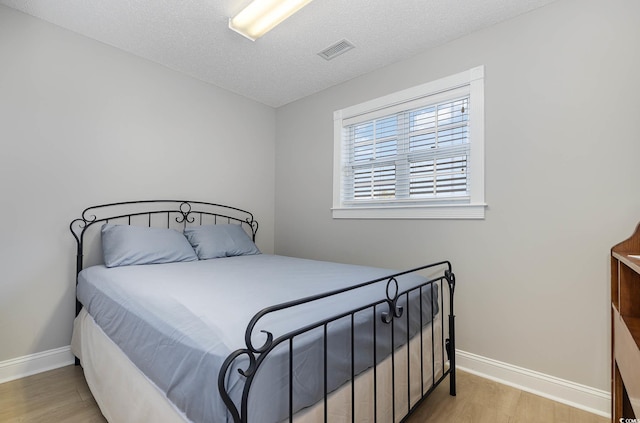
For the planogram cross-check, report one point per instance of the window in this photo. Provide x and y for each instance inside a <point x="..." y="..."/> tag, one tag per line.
<point x="418" y="153"/>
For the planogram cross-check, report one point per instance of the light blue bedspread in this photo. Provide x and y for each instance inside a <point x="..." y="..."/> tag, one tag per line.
<point x="178" y="322"/>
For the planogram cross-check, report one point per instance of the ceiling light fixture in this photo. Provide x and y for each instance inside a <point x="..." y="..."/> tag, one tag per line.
<point x="261" y="16"/>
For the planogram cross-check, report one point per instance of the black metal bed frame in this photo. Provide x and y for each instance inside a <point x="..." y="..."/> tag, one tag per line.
<point x="386" y="309"/>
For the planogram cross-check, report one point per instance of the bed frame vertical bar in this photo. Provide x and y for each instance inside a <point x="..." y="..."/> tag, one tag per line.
<point x="291" y="380"/>
<point x="408" y="356"/>
<point x="375" y="367"/>
<point x="433" y="338"/>
<point x="353" y="371"/>
<point x="326" y="370"/>
<point x="421" y="344"/>
<point x="393" y="370"/>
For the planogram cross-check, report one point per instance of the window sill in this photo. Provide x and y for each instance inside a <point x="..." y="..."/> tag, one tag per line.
<point x="460" y="211"/>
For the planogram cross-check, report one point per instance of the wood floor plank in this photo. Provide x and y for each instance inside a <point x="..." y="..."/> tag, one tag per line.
<point x="480" y="400"/>
<point x="62" y="395"/>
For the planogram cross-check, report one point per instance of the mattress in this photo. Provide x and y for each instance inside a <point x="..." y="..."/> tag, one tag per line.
<point x="177" y="323"/>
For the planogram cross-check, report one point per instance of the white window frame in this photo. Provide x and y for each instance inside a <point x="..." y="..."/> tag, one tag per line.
<point x="429" y="93"/>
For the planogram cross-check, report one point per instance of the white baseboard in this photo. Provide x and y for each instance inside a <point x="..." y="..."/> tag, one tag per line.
<point x="574" y="394"/>
<point x="28" y="365"/>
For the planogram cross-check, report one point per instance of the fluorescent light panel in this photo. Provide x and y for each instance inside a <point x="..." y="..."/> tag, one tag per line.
<point x="261" y="16"/>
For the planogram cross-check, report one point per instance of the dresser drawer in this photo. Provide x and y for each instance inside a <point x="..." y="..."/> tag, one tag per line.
<point x="627" y="355"/>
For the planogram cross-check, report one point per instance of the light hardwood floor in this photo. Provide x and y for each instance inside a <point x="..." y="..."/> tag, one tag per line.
<point x="480" y="400"/>
<point x="62" y="395"/>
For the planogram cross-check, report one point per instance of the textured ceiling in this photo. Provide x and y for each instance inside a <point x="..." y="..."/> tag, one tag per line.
<point x="192" y="37"/>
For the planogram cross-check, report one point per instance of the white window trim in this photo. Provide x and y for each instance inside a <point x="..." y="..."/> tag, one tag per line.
<point x="475" y="209"/>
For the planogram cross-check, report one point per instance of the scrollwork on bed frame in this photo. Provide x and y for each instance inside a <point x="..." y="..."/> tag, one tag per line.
<point x="257" y="354"/>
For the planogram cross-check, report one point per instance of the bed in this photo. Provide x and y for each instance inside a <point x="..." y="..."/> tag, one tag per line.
<point x="216" y="331"/>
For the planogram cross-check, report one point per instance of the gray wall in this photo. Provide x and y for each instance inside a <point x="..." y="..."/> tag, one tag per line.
<point x="82" y="123"/>
<point x="562" y="148"/>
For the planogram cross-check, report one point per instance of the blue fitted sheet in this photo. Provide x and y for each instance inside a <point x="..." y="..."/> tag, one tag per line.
<point x="177" y="322"/>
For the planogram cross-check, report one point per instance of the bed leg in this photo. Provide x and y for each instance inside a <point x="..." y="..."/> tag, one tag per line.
<point x="451" y="353"/>
<point x="452" y="383"/>
<point x="452" y="376"/>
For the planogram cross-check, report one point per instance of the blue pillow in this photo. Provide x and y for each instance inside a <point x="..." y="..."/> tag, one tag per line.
<point x="224" y="240"/>
<point x="124" y="245"/>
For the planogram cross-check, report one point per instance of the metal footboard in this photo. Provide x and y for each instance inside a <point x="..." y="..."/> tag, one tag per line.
<point x="385" y="312"/>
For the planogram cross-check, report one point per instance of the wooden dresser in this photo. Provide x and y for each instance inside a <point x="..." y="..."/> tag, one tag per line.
<point x="625" y="328"/>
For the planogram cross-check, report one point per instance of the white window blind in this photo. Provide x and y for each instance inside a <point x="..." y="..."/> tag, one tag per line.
<point x="412" y="154"/>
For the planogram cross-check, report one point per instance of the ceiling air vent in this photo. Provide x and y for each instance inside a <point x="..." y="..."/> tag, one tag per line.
<point x="336" y="50"/>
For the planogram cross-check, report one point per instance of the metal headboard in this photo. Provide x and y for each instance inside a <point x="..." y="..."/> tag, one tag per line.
<point x="157" y="213"/>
